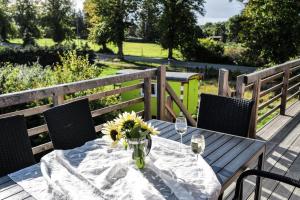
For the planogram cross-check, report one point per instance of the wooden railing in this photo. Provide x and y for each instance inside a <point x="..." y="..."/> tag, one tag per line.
<point x="279" y="83"/>
<point x="56" y="95"/>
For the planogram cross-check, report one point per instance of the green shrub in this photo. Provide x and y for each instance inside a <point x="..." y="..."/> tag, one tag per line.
<point x="206" y="50"/>
<point x="43" y="55"/>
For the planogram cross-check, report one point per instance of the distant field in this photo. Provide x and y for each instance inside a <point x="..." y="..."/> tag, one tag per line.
<point x="130" y="48"/>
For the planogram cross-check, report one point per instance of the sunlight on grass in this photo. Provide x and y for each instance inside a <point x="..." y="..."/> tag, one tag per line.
<point x="130" y="48"/>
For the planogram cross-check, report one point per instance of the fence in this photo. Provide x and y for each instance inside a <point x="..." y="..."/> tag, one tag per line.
<point x="58" y="93"/>
<point x="280" y="83"/>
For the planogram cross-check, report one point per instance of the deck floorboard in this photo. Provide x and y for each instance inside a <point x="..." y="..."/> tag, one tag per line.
<point x="282" y="156"/>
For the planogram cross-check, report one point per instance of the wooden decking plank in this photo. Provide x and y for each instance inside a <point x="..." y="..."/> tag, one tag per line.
<point x="285" y="190"/>
<point x="281" y="167"/>
<point x="275" y="149"/>
<point x="295" y="195"/>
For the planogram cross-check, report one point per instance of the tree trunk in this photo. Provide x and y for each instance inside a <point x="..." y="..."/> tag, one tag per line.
<point x="170" y="53"/>
<point x="120" y="50"/>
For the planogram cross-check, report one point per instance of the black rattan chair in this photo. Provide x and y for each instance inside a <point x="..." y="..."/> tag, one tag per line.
<point x="70" y="125"/>
<point x="239" y="184"/>
<point x="15" y="147"/>
<point x="225" y="114"/>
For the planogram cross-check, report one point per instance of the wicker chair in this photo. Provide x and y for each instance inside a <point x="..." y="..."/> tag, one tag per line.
<point x="225" y="114"/>
<point x="15" y="147"/>
<point x="70" y="125"/>
<point x="276" y="177"/>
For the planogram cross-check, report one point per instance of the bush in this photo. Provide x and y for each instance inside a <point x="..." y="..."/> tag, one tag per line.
<point x="205" y="50"/>
<point x="43" y="55"/>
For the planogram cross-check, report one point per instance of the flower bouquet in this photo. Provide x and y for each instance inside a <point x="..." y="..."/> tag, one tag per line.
<point x="134" y="133"/>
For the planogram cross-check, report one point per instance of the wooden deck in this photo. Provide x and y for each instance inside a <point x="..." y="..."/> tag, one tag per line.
<point x="282" y="157"/>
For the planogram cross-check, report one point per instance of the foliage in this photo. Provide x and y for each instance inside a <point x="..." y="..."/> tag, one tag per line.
<point x="117" y="15"/>
<point x="43" y="55"/>
<point x="270" y="29"/>
<point x="58" y="18"/>
<point x="178" y="23"/>
<point x="26" y="17"/>
<point x="5" y="21"/>
<point x="206" y="50"/>
<point x="215" y="29"/>
<point x="148" y="18"/>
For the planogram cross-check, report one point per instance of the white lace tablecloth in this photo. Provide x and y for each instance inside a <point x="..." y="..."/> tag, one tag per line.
<point x="97" y="171"/>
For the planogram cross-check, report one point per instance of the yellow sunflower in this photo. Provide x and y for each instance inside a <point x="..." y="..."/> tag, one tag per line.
<point x="110" y="129"/>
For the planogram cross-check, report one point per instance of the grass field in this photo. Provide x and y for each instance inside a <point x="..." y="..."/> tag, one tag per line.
<point x="130" y="48"/>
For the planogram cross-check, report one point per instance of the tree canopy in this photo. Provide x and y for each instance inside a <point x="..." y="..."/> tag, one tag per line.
<point x="58" y="16"/>
<point x="270" y="29"/>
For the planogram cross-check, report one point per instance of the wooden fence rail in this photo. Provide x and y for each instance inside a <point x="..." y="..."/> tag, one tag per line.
<point x="281" y="82"/>
<point x="56" y="95"/>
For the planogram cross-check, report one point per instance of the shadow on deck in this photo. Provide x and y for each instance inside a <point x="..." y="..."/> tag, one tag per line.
<point x="282" y="157"/>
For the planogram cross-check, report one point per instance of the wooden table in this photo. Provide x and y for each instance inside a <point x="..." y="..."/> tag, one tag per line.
<point x="228" y="156"/>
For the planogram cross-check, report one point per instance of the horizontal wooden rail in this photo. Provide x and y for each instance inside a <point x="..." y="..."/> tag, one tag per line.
<point x="41" y="148"/>
<point x="186" y="113"/>
<point x="27" y="112"/>
<point x="41" y="93"/>
<point x="268" y="113"/>
<point x="295" y="68"/>
<point x="271" y="89"/>
<point x="294" y="78"/>
<point x="293" y="96"/>
<point x="100" y="95"/>
<point x="37" y="130"/>
<point x="271" y="78"/>
<point x="251" y="78"/>
<point x="273" y="99"/>
<point x="294" y="87"/>
<point x="119" y="106"/>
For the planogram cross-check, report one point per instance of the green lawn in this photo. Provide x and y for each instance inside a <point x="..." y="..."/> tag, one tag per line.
<point x="130" y="48"/>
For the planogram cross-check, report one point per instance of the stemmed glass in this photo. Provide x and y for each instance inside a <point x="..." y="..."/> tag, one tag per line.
<point x="181" y="127"/>
<point x="198" y="144"/>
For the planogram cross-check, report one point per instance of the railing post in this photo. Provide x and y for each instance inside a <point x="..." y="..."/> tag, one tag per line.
<point x="147" y="99"/>
<point x="223" y="89"/>
<point x="161" y="96"/>
<point x="284" y="90"/>
<point x="240" y="86"/>
<point x="254" y="114"/>
<point x="58" y="99"/>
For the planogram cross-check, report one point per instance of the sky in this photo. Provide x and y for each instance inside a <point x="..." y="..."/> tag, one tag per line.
<point x="216" y="10"/>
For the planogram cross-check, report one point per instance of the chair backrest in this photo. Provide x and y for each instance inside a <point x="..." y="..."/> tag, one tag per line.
<point x="70" y="125"/>
<point x="15" y="147"/>
<point x="225" y="114"/>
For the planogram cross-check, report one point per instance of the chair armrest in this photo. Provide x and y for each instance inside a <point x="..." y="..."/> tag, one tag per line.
<point x="239" y="184"/>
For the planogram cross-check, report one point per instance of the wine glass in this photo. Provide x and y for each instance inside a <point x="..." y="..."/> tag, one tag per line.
<point x="181" y="127"/>
<point x="198" y="144"/>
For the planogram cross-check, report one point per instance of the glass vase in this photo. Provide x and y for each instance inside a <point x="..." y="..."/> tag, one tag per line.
<point x="140" y="149"/>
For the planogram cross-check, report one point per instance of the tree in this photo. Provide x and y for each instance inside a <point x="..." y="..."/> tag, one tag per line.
<point x="99" y="31"/>
<point x="117" y="15"/>
<point x="5" y="22"/>
<point x="26" y="17"/>
<point x="58" y="19"/>
<point x="233" y="28"/>
<point x="148" y="20"/>
<point x="270" y="29"/>
<point x="178" y="23"/>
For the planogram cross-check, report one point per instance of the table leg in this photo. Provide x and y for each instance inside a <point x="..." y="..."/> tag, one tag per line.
<point x="260" y="166"/>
